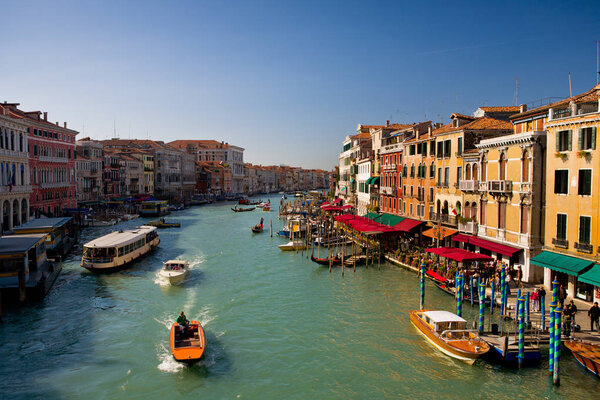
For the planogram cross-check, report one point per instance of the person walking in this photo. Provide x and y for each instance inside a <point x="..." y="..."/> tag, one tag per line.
<point x="594" y="314"/>
<point x="519" y="277"/>
<point x="535" y="300"/>
<point x="562" y="295"/>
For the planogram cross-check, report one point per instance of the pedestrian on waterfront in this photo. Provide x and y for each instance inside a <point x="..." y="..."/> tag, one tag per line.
<point x="567" y="320"/>
<point x="507" y="281"/>
<point x="573" y="309"/>
<point x="519" y="276"/>
<point x="562" y="295"/>
<point x="542" y="293"/>
<point x="594" y="314"/>
<point x="535" y="300"/>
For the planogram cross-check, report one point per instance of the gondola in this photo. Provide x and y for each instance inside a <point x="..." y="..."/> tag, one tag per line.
<point x="257" y="228"/>
<point x="325" y="261"/>
<point x="242" y="209"/>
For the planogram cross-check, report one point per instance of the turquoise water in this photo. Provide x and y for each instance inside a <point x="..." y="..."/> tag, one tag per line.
<point x="277" y="326"/>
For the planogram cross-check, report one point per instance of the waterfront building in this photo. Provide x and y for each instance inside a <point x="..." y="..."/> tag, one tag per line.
<point x="111" y="174"/>
<point x="418" y="172"/>
<point x="250" y="179"/>
<point x="572" y="234"/>
<point x="15" y="187"/>
<point x="460" y="135"/>
<point x="390" y="180"/>
<point x="355" y="147"/>
<point x="363" y="195"/>
<point x="232" y="157"/>
<point x="503" y="186"/>
<point x="147" y="160"/>
<point x="131" y="175"/>
<point x="188" y="176"/>
<point x="88" y="170"/>
<point x="51" y="162"/>
<point x="220" y="178"/>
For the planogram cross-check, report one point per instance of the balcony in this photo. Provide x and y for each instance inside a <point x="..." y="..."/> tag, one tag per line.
<point x="468" y="227"/>
<point x="560" y="243"/>
<point x="51" y="185"/>
<point x="444" y="219"/>
<point x="584" y="248"/>
<point x="499" y="186"/>
<point x="53" y="159"/>
<point x="469" y="185"/>
<point x="15" y="189"/>
<point x="387" y="190"/>
<point x="387" y="167"/>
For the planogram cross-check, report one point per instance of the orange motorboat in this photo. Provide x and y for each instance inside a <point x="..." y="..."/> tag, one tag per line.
<point x="187" y="346"/>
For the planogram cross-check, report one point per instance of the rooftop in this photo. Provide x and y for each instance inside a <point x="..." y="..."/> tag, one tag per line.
<point x="118" y="238"/>
<point x="443" y="316"/>
<point x="15" y="244"/>
<point x="42" y="223"/>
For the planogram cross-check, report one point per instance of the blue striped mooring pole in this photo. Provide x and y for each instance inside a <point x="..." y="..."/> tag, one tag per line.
<point x="481" y="306"/>
<point x="551" y="339"/>
<point x="557" y="342"/>
<point x="471" y="290"/>
<point x="493" y="297"/>
<point x="543" y="309"/>
<point x="422" y="302"/>
<point x="528" y="308"/>
<point x="555" y="284"/>
<point x="459" y="297"/>
<point x="521" y="313"/>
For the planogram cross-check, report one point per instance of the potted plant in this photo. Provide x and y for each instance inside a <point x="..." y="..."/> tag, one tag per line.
<point x="560" y="155"/>
<point x="584" y="154"/>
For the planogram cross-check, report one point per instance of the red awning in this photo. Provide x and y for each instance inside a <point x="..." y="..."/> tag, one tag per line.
<point x="347" y="206"/>
<point x="337" y="201"/>
<point x="460" y="255"/>
<point x="461" y="238"/>
<point x="331" y="208"/>
<point x="436" y="276"/>
<point x="495" y="247"/>
<point x="406" y="225"/>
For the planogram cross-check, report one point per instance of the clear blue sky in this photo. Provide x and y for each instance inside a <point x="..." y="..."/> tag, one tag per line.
<point x="286" y="80"/>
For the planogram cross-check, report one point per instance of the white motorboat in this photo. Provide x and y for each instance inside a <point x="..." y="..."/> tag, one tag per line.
<point x="175" y="271"/>
<point x="293" y="245"/>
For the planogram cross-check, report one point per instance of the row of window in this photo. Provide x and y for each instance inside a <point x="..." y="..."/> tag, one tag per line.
<point x="52" y="135"/>
<point x="584" y="184"/>
<point x="12" y="174"/>
<point x="128" y="248"/>
<point x="46" y="151"/>
<point x="586" y="139"/>
<point x="9" y="141"/>
<point x="585" y="228"/>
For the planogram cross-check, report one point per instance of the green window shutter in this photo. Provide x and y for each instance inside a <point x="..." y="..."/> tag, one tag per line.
<point x="588" y="182"/>
<point x="580" y="141"/>
<point x="594" y="138"/>
<point x="558" y="141"/>
<point x="569" y="140"/>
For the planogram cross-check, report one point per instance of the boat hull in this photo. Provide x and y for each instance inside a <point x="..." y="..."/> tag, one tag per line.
<point x="188" y="350"/>
<point x="441" y="345"/>
<point x="587" y="355"/>
<point x="173" y="277"/>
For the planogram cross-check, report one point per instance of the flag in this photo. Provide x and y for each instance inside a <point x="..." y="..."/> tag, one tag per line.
<point x="454" y="212"/>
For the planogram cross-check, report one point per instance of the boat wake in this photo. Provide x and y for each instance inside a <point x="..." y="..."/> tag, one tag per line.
<point x="167" y="363"/>
<point x="198" y="260"/>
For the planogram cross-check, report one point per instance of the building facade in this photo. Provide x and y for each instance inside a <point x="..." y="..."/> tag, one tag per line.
<point x="15" y="187"/>
<point x="88" y="170"/>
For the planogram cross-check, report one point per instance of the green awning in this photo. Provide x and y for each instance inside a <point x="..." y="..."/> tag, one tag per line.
<point x="375" y="180"/>
<point x="591" y="276"/>
<point x="389" y="219"/>
<point x="561" y="263"/>
<point x="372" y="216"/>
<point x="368" y="181"/>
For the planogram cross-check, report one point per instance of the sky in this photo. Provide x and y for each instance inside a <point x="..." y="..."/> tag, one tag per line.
<point x="286" y="80"/>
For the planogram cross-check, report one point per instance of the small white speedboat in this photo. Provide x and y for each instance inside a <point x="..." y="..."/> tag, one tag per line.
<point x="293" y="245"/>
<point x="175" y="271"/>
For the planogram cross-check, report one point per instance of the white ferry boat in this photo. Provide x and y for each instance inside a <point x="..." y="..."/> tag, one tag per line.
<point x="119" y="248"/>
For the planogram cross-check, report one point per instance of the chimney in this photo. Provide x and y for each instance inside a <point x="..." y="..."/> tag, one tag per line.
<point x="65" y="124"/>
<point x="45" y="116"/>
<point x="387" y="123"/>
<point x="523" y="108"/>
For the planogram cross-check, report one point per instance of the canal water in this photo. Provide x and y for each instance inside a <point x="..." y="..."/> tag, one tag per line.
<point x="277" y="327"/>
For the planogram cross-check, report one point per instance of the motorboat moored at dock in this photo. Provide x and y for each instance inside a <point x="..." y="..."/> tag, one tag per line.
<point x="448" y="333"/>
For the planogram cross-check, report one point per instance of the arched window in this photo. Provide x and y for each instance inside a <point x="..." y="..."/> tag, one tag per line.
<point x="502" y="167"/>
<point x="475" y="177"/>
<point x="525" y="177"/>
<point x="467" y="213"/>
<point x="438" y="207"/>
<point x="432" y="170"/>
<point x="412" y="171"/>
<point x="458" y="208"/>
<point x="12" y="140"/>
<point x="467" y="173"/>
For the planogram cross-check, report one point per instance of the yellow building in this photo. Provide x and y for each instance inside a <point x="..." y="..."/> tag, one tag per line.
<point x="572" y="204"/>
<point x="453" y="142"/>
<point x="511" y="195"/>
<point x="147" y="159"/>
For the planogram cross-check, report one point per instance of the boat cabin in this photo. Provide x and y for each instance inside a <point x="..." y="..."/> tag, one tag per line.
<point x="61" y="233"/>
<point x="441" y="321"/>
<point x="175" y="265"/>
<point x="115" y="246"/>
<point x="20" y="254"/>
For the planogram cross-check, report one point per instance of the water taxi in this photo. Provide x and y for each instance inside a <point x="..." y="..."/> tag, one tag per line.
<point x="187" y="346"/>
<point x="175" y="271"/>
<point x="154" y="208"/>
<point x="448" y="333"/>
<point x="119" y="248"/>
<point x="293" y="245"/>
